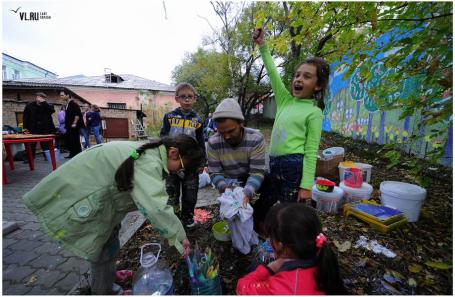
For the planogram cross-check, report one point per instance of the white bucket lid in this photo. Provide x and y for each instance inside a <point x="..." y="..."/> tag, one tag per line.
<point x="403" y="190"/>
<point x="366" y="189"/>
<point x="333" y="151"/>
<point x="335" y="195"/>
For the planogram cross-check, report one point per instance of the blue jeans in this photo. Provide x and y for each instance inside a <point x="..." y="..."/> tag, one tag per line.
<point x="86" y="134"/>
<point x="96" y="131"/>
<point x="286" y="174"/>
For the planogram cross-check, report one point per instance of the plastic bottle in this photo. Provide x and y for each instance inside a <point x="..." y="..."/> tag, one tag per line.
<point x="153" y="277"/>
<point x="265" y="253"/>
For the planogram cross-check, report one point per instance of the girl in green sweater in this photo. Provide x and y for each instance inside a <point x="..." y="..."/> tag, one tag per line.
<point x="297" y="128"/>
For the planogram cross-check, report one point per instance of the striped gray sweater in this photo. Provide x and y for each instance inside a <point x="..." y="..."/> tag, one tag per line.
<point x="245" y="161"/>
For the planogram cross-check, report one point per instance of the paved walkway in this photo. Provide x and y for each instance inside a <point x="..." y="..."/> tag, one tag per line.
<point x="33" y="264"/>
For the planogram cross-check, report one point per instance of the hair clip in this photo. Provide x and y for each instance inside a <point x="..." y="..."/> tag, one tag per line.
<point x="320" y="240"/>
<point x="134" y="155"/>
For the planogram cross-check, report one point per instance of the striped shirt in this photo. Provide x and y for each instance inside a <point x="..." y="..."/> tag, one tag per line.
<point x="245" y="161"/>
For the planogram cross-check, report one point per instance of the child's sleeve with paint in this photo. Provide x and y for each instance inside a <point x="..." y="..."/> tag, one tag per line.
<point x="150" y="196"/>
<point x="280" y="91"/>
<point x="314" y="126"/>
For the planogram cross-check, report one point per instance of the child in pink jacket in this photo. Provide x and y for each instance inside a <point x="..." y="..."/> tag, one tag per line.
<point x="305" y="264"/>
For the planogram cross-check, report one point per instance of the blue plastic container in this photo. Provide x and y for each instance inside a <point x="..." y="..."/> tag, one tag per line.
<point x="207" y="287"/>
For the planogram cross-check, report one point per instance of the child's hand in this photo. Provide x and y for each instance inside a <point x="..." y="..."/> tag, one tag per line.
<point x="186" y="247"/>
<point x="303" y="195"/>
<point x="276" y="265"/>
<point x="258" y="36"/>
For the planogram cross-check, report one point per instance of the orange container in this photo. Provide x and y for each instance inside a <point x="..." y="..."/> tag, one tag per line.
<point x="353" y="177"/>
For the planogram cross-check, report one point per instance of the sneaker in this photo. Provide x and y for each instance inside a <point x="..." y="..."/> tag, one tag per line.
<point x="189" y="223"/>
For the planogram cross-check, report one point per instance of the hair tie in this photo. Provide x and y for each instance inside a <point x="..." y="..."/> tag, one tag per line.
<point x="134" y="155"/>
<point x="320" y="240"/>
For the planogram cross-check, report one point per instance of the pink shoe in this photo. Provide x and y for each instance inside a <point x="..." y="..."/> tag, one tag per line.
<point x="122" y="276"/>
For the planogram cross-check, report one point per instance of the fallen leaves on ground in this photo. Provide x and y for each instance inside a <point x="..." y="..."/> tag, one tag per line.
<point x="423" y="262"/>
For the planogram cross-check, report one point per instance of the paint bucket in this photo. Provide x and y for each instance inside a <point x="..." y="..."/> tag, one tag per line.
<point x="328" y="202"/>
<point x="403" y="196"/>
<point x="207" y="287"/>
<point x="353" y="177"/>
<point x="356" y="194"/>
<point x="221" y="231"/>
<point x="366" y="169"/>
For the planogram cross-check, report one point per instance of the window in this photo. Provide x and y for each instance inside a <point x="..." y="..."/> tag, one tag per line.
<point x="16" y="74"/>
<point x="4" y="74"/>
<point x="117" y="105"/>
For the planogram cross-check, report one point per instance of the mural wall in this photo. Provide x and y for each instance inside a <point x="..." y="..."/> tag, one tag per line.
<point x="352" y="112"/>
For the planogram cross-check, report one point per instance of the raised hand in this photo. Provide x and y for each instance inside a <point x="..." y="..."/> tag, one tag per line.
<point x="258" y="36"/>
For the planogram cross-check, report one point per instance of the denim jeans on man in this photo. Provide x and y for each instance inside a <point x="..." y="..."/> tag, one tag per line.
<point x="286" y="174"/>
<point x="85" y="133"/>
<point x="96" y="131"/>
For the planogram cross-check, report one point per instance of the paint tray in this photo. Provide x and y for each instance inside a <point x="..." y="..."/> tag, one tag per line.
<point x="379" y="217"/>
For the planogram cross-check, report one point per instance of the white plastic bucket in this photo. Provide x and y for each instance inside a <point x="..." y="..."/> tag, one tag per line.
<point x="48" y="155"/>
<point x="403" y="196"/>
<point x="356" y="194"/>
<point x="332" y="152"/>
<point x="366" y="168"/>
<point x="327" y="202"/>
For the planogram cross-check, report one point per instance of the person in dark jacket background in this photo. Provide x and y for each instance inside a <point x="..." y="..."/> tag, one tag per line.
<point x="94" y="123"/>
<point x="73" y="122"/>
<point x="38" y="119"/>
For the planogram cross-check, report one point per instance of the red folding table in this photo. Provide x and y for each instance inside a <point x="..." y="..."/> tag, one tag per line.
<point x="26" y="139"/>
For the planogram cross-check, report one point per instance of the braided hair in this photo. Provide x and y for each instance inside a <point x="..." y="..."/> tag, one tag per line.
<point x="189" y="150"/>
<point x="296" y="226"/>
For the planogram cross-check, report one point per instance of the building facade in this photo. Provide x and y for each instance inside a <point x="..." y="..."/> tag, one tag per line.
<point x="13" y="68"/>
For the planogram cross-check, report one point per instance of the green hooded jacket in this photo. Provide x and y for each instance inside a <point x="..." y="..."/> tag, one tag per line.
<point x="79" y="205"/>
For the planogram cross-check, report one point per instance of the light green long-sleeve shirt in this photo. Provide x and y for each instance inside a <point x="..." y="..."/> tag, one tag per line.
<point x="79" y="204"/>
<point x="297" y="126"/>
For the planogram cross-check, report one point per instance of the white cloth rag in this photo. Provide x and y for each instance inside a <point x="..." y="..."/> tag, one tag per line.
<point x="240" y="219"/>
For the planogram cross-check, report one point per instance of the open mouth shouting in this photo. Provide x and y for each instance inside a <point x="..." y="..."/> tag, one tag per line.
<point x="297" y="89"/>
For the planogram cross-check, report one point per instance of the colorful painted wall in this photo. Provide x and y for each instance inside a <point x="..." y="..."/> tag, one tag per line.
<point x="352" y="112"/>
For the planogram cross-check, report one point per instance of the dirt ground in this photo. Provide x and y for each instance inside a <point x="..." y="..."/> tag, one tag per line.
<point x="423" y="262"/>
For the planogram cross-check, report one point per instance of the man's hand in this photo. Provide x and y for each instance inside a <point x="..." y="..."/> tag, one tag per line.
<point x="186" y="247"/>
<point x="258" y="36"/>
<point x="304" y="194"/>
<point x="246" y="200"/>
<point x="73" y="126"/>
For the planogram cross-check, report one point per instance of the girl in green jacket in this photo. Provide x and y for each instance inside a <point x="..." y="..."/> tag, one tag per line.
<point x="297" y="128"/>
<point x="82" y="203"/>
